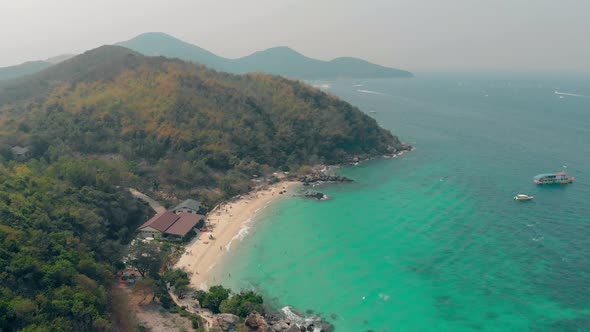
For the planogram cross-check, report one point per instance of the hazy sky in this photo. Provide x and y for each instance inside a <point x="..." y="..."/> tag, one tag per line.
<point x="411" y="34"/>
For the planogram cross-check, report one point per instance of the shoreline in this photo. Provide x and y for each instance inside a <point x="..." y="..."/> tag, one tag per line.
<point x="228" y="221"/>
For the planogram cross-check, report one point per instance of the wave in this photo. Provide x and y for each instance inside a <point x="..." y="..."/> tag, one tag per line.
<point x="245" y="230"/>
<point x="570" y="94"/>
<point x="372" y="92"/>
<point x="299" y="320"/>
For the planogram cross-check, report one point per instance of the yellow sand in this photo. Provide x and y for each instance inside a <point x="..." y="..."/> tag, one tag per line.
<point x="227" y="219"/>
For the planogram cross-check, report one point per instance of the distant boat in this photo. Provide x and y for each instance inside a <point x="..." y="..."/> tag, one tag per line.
<point x="553" y="178"/>
<point x="523" y="197"/>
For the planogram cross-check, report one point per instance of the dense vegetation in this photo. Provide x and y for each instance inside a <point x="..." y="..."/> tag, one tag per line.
<point x="61" y="231"/>
<point x="182" y="124"/>
<point x="112" y="118"/>
<point x="219" y="299"/>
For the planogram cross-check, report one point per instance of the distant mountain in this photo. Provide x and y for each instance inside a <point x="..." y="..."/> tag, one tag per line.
<point x="30" y="67"/>
<point x="60" y="58"/>
<point x="161" y="44"/>
<point x="23" y="69"/>
<point x="278" y="60"/>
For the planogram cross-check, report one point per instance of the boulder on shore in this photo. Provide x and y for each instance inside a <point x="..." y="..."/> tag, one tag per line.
<point x="226" y="322"/>
<point x="255" y="322"/>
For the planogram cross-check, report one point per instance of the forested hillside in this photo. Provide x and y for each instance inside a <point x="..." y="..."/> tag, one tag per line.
<point x="112" y="118"/>
<point x="194" y="126"/>
<point x="62" y="227"/>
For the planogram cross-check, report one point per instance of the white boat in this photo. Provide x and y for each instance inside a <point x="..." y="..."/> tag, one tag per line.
<point x="523" y="197"/>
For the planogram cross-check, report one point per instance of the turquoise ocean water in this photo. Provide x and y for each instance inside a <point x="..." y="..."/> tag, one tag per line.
<point x="433" y="241"/>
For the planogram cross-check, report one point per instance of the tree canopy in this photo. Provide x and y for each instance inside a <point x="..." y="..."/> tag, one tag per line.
<point x="182" y="125"/>
<point x="59" y="239"/>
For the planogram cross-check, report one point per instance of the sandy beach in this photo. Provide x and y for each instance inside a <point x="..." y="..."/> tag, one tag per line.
<point x="206" y="250"/>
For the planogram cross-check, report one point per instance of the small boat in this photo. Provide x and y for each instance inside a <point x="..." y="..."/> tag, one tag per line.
<point x="523" y="197"/>
<point x="553" y="178"/>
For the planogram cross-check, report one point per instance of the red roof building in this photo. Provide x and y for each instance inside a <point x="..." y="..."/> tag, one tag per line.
<point x="169" y="224"/>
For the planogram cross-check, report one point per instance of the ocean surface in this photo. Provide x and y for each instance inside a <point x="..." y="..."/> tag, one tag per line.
<point x="433" y="241"/>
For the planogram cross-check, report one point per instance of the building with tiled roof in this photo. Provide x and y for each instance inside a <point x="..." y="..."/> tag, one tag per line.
<point x="168" y="224"/>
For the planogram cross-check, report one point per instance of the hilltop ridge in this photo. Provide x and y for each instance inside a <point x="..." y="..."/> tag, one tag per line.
<point x="281" y="60"/>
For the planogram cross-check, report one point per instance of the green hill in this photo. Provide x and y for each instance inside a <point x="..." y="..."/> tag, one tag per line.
<point x="195" y="127"/>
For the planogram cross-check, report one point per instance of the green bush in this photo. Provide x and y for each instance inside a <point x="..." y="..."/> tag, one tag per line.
<point x="214" y="297"/>
<point x="243" y="304"/>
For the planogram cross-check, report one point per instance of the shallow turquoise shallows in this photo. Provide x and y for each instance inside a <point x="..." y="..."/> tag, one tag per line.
<point x="433" y="241"/>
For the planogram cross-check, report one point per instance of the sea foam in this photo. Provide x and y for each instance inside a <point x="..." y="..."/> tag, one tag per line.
<point x="372" y="92"/>
<point x="298" y="319"/>
<point x="570" y="94"/>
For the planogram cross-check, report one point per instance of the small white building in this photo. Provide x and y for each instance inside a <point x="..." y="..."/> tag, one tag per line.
<point x="21" y="153"/>
<point x="188" y="206"/>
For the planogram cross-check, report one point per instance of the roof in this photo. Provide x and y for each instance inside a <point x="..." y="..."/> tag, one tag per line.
<point x="20" y="150"/>
<point x="184" y="224"/>
<point x="190" y="204"/>
<point x="161" y="221"/>
<point x="550" y="174"/>
<point x="170" y="223"/>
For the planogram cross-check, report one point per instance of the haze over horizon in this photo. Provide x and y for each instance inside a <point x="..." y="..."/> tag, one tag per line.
<point x="417" y="36"/>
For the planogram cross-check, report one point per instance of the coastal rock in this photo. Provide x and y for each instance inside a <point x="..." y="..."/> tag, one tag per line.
<point x="255" y="322"/>
<point x="283" y="325"/>
<point x="226" y="322"/>
<point x="324" y="326"/>
<point x="322" y="177"/>
<point x="316" y="195"/>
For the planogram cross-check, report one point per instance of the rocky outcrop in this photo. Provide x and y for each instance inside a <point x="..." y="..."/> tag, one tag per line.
<point x="226" y="322"/>
<point x="323" y="177"/>
<point x="283" y="325"/>
<point x="271" y="322"/>
<point x="316" y="195"/>
<point x="255" y="322"/>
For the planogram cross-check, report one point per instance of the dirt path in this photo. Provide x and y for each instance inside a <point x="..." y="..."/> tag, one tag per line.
<point x="205" y="314"/>
<point x="153" y="203"/>
<point x="156" y="318"/>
